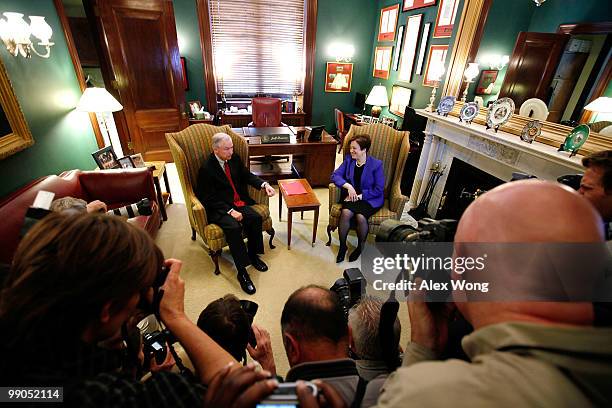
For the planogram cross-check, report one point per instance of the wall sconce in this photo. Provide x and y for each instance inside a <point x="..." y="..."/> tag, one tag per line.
<point x="495" y="61"/>
<point x="538" y="2"/>
<point x="15" y="33"/>
<point x="470" y="73"/>
<point x="341" y="52"/>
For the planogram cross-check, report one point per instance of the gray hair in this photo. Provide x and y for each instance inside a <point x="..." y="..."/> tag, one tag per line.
<point x="218" y="138"/>
<point x="70" y="204"/>
<point x="363" y="320"/>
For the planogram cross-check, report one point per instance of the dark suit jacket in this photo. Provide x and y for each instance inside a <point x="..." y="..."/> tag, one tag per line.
<point x="214" y="189"/>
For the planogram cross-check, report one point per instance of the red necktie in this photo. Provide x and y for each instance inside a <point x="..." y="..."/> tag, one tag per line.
<point x="237" y="201"/>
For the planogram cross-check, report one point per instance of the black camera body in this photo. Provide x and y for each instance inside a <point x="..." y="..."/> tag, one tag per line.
<point x="428" y="230"/>
<point x="350" y="288"/>
<point x="154" y="345"/>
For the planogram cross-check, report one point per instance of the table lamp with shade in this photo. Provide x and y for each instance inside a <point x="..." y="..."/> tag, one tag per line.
<point x="377" y="98"/>
<point x="102" y="103"/>
<point x="603" y="104"/>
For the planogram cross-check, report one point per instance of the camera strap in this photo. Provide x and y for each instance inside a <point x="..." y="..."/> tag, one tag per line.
<point x="388" y="314"/>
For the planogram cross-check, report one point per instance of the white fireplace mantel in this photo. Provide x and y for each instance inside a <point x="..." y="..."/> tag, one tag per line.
<point x="499" y="154"/>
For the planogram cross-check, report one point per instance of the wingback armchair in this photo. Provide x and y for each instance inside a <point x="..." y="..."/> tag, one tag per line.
<point x="391" y="146"/>
<point x="190" y="149"/>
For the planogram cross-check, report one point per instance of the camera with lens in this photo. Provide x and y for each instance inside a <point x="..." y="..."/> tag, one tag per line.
<point x="428" y="230"/>
<point x="350" y="288"/>
<point x="155" y="345"/>
<point x="250" y="308"/>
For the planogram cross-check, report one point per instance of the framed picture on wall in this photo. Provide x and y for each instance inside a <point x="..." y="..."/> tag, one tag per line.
<point x="415" y="4"/>
<point x="447" y="11"/>
<point x="184" y="71"/>
<point x="435" y="60"/>
<point x="400" y="98"/>
<point x="382" y="62"/>
<point x="422" y="49"/>
<point x="486" y="82"/>
<point x="338" y="77"/>
<point x="387" y="23"/>
<point x="398" y="48"/>
<point x="413" y="25"/>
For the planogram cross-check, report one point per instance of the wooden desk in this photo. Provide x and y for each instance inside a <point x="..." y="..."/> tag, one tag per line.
<point x="298" y="202"/>
<point x="243" y="119"/>
<point x="352" y="119"/>
<point x="160" y="171"/>
<point x="313" y="161"/>
<point x="205" y="121"/>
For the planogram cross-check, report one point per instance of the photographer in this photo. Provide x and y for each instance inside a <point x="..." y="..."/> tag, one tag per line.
<point x="522" y="353"/>
<point x="75" y="280"/>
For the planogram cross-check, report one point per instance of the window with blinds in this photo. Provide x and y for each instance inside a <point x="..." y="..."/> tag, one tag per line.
<point x="258" y="46"/>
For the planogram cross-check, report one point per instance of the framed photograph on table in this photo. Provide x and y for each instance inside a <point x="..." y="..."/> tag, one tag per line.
<point x="338" y="77"/>
<point x="415" y="4"/>
<point x="436" y="58"/>
<point x="194" y="107"/>
<point x="382" y="62"/>
<point x="413" y="25"/>
<point x="138" y="160"/>
<point x="447" y="12"/>
<point x="126" y="162"/>
<point x="400" y="98"/>
<point x="486" y="82"/>
<point x="105" y="158"/>
<point x="387" y="23"/>
<point x="422" y="49"/>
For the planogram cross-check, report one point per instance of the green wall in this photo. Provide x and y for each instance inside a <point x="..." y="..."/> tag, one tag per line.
<point x="549" y="15"/>
<point x="507" y="18"/>
<point x="420" y="94"/>
<point x="188" y="32"/>
<point x="48" y="91"/>
<point x="345" y="21"/>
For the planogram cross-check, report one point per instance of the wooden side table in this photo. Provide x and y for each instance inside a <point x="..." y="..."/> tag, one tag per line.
<point x="159" y="171"/>
<point x="298" y="202"/>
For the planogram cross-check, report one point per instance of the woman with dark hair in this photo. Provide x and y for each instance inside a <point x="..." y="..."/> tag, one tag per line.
<point x="74" y="282"/>
<point x="362" y="181"/>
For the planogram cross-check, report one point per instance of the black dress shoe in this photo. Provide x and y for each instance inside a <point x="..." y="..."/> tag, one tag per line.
<point x="355" y="254"/>
<point x="245" y="282"/>
<point x="258" y="264"/>
<point x="341" y="253"/>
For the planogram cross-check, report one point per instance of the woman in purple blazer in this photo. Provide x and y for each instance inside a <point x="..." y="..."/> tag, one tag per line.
<point x="362" y="181"/>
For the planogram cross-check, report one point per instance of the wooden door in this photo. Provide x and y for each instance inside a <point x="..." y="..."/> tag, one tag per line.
<point x="532" y="66"/>
<point x="139" y="39"/>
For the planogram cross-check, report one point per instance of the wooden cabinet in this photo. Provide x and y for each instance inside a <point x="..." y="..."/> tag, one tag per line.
<point x="237" y="120"/>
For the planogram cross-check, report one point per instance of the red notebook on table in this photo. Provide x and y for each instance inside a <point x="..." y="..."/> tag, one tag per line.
<point x="294" y="188"/>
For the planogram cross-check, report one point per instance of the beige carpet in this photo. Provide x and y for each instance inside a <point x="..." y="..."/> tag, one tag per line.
<point x="289" y="269"/>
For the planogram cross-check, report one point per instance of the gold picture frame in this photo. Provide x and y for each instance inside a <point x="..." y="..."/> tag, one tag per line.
<point x="20" y="137"/>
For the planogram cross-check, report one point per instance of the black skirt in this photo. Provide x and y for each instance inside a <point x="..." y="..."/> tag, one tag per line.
<point x="357" y="207"/>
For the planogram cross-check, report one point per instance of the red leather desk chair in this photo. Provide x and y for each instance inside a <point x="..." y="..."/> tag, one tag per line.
<point x="267" y="113"/>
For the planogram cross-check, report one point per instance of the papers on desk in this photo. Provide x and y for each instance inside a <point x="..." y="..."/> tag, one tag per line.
<point x="294" y="188"/>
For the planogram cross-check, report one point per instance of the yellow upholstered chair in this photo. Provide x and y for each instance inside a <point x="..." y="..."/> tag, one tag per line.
<point x="190" y="149"/>
<point x="391" y="146"/>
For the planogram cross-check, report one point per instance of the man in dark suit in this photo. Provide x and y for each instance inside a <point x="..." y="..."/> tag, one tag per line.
<point x="222" y="189"/>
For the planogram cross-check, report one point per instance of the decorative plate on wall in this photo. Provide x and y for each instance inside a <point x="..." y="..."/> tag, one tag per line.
<point x="500" y="112"/>
<point x="532" y="129"/>
<point x="468" y="112"/>
<point x="534" y="108"/>
<point x="446" y="105"/>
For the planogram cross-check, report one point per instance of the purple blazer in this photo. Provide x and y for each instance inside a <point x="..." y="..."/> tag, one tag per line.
<point x="372" y="179"/>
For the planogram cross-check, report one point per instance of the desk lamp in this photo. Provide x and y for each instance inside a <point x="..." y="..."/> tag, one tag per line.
<point x="377" y="98"/>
